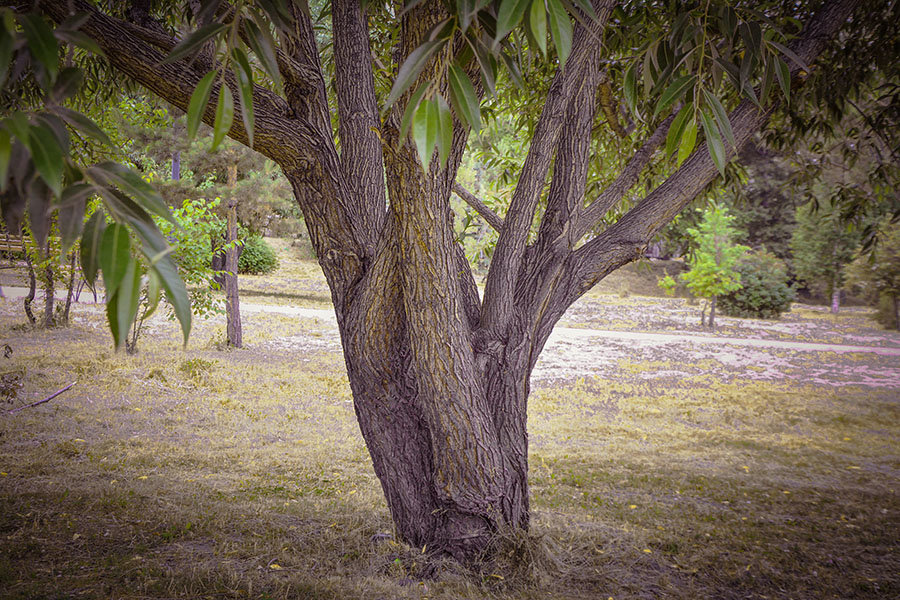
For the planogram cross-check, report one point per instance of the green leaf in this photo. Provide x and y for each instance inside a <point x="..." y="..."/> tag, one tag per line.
<point x="675" y="90"/>
<point x="537" y="22"/>
<point x="6" y="50"/>
<point x="90" y="247"/>
<point x="465" y="11"/>
<point x="463" y="97"/>
<point x="112" y="317"/>
<point x="176" y="293"/>
<point x="109" y="172"/>
<point x="425" y="130"/>
<point x="629" y="88"/>
<point x="713" y="141"/>
<point x="487" y="63"/>
<point x="224" y="116"/>
<point x="587" y="7"/>
<point x="560" y="30"/>
<point x="127" y="298"/>
<point x="410" y="69"/>
<point x="676" y="129"/>
<point x="768" y="80"/>
<point x="71" y="213"/>
<point x="154" y="291"/>
<point x="791" y="55"/>
<point x="411" y="107"/>
<point x="197" y="106"/>
<point x="115" y="252"/>
<point x="784" y="78"/>
<point x="245" y="90"/>
<point x="263" y="46"/>
<point x="721" y="118"/>
<point x="47" y="155"/>
<point x="41" y="43"/>
<point x="80" y="39"/>
<point x="83" y="124"/>
<point x="193" y="42"/>
<point x="67" y="84"/>
<point x="508" y="16"/>
<point x="445" y="130"/>
<point x="688" y="140"/>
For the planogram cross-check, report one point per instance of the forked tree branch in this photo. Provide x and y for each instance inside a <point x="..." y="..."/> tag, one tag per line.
<point x="590" y="216"/>
<point x="510" y="248"/>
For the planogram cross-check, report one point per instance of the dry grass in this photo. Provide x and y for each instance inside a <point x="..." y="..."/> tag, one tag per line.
<point x="241" y="474"/>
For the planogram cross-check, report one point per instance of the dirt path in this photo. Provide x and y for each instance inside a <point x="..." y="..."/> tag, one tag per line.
<point x="574" y="353"/>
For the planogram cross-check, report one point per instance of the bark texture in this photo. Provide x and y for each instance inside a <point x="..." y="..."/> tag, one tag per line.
<point x="440" y="380"/>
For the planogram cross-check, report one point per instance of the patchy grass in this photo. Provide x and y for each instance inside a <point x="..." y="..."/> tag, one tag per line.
<point x="206" y="473"/>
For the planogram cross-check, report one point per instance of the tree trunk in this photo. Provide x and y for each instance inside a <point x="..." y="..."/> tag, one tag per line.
<point x="176" y="165"/>
<point x="712" y="312"/>
<point x="70" y="287"/>
<point x="232" y="301"/>
<point x="835" y="299"/>
<point x="32" y="288"/>
<point x="440" y="381"/>
<point x="49" y="292"/>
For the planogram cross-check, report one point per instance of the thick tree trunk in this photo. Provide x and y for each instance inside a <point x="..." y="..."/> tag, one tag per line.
<point x="440" y="381"/>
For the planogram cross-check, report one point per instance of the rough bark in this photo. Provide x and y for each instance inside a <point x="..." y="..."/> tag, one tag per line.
<point x="232" y="299"/>
<point x="440" y="381"/>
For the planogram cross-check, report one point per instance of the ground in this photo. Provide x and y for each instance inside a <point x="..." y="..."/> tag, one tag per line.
<point x="759" y="460"/>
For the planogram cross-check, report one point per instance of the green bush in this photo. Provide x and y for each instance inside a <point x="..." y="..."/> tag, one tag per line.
<point x="257" y="257"/>
<point x="765" y="292"/>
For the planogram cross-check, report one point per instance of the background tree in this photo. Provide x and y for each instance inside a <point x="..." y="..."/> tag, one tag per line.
<point x="440" y="377"/>
<point x="764" y="292"/>
<point x="714" y="260"/>
<point x="823" y="245"/>
<point x="878" y="274"/>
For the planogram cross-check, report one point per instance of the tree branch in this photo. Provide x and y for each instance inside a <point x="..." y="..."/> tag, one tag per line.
<point x="625" y="239"/>
<point x="492" y="218"/>
<point x="44" y="401"/>
<point x="359" y="124"/>
<point x="592" y="215"/>
<point x="510" y="249"/>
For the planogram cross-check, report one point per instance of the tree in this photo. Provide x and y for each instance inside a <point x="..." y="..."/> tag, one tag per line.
<point x="879" y="272"/>
<point x="823" y="245"/>
<point x="440" y="378"/>
<point x="714" y="260"/>
<point x="764" y="291"/>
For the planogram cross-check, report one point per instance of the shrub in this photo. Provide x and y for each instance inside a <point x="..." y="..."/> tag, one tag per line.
<point x="765" y="293"/>
<point x="257" y="256"/>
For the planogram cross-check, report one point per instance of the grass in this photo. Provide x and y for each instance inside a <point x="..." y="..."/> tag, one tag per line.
<point x="204" y="473"/>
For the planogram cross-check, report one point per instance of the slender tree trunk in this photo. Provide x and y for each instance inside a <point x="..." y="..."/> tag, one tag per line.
<point x="232" y="301"/>
<point x="32" y="288"/>
<point x="70" y="287"/>
<point x="835" y="299"/>
<point x="176" y="165"/>
<point x="712" y="312"/>
<point x="49" y="298"/>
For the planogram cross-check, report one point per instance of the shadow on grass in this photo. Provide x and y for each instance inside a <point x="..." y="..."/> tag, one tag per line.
<point x="312" y="298"/>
